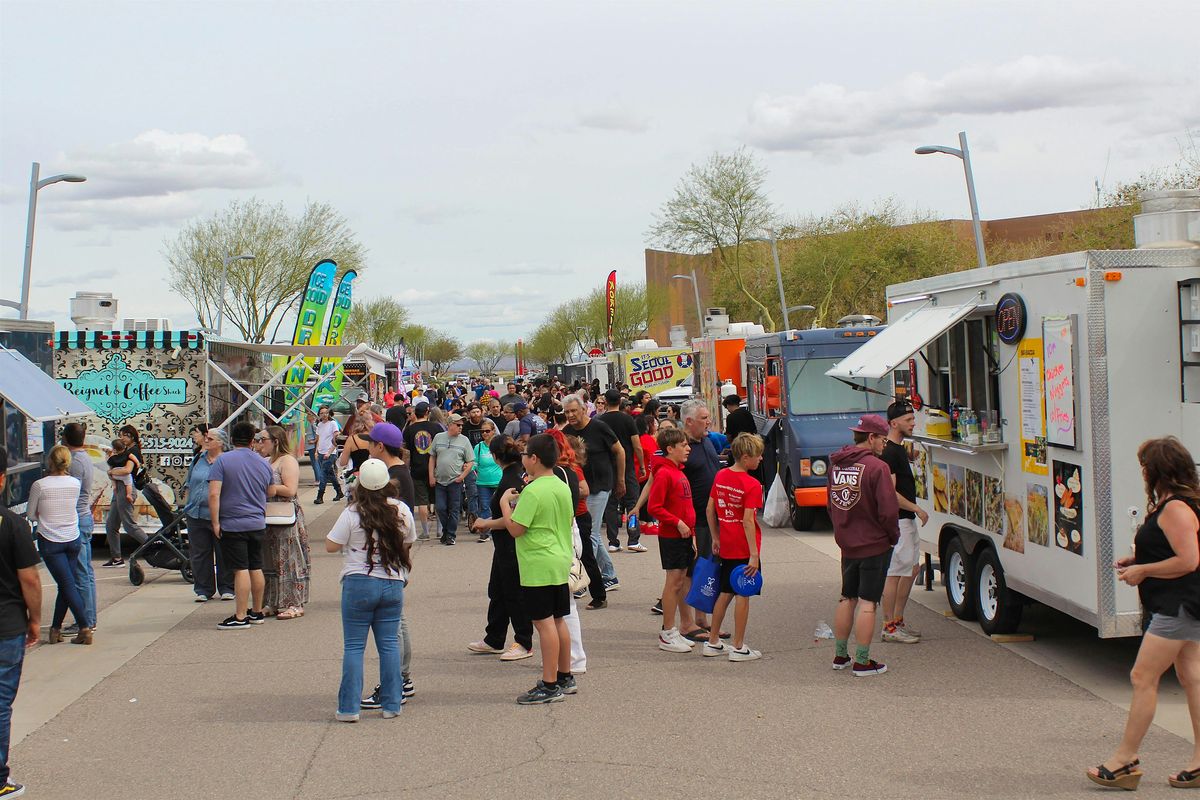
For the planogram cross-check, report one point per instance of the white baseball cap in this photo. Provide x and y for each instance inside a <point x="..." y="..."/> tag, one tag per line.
<point x="373" y="475"/>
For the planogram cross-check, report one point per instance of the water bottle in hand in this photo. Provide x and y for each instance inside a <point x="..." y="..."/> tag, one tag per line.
<point x="632" y="523"/>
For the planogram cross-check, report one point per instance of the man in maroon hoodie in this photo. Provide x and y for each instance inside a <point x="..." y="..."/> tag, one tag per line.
<point x="866" y="525"/>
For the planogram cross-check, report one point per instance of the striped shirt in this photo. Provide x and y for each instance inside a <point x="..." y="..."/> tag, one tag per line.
<point x="52" y="506"/>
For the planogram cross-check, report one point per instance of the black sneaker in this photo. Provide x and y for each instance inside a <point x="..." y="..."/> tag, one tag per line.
<point x="373" y="701"/>
<point x="541" y="694"/>
<point x="657" y="608"/>
<point x="318" y="501"/>
<point x="581" y="593"/>
<point x="407" y="689"/>
<point x="612" y="585"/>
<point x="112" y="562"/>
<point x="10" y="789"/>
<point x="449" y="541"/>
<point x="232" y="623"/>
<point x="568" y="685"/>
<point x="256" y="617"/>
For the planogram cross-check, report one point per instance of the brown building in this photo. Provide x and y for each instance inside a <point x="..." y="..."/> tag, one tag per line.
<point x="661" y="265"/>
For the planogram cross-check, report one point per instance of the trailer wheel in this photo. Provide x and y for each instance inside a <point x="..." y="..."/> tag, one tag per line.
<point x="959" y="577"/>
<point x="999" y="608"/>
<point x="137" y="575"/>
<point x="803" y="518"/>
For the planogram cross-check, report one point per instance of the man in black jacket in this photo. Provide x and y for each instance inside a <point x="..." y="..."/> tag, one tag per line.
<point x="738" y="418"/>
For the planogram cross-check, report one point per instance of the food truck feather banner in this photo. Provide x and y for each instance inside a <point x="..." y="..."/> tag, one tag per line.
<point x="610" y="303"/>
<point x="309" y="322"/>
<point x="331" y="389"/>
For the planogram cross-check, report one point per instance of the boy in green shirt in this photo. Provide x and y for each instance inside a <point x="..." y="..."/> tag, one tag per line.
<point x="539" y="518"/>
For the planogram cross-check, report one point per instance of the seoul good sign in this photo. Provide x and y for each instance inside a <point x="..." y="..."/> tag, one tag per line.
<point x="117" y="392"/>
<point x="653" y="371"/>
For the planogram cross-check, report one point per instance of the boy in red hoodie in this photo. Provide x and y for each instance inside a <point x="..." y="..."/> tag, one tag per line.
<point x="670" y="503"/>
<point x="866" y="525"/>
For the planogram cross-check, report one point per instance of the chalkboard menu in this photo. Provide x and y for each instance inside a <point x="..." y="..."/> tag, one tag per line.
<point x="1058" y="345"/>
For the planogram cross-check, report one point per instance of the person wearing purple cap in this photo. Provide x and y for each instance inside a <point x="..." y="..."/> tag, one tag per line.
<point x="866" y="525"/>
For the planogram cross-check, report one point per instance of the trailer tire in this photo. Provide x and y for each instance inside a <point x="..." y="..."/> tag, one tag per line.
<point x="803" y="518"/>
<point x="959" y="576"/>
<point x="999" y="607"/>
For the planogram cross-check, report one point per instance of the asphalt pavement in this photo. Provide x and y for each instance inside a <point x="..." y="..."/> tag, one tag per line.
<point x="165" y="704"/>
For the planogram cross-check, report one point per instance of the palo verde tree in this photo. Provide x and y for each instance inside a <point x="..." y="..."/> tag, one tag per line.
<point x="379" y="323"/>
<point x="581" y="323"/>
<point x="441" y="351"/>
<point x="717" y="207"/>
<point x="488" y="355"/>
<point x="261" y="289"/>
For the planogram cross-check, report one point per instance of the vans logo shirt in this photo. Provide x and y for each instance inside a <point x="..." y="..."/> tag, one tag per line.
<point x="845" y="486"/>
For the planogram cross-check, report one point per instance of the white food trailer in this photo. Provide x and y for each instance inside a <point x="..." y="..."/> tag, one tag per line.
<point x="1079" y="358"/>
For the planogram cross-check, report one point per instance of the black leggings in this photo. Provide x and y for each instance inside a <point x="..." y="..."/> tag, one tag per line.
<point x="596" y="580"/>
<point x="504" y="604"/>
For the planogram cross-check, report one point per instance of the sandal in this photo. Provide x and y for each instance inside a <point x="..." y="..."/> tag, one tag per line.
<point x="1126" y="777"/>
<point x="290" y="613"/>
<point x="1185" y="779"/>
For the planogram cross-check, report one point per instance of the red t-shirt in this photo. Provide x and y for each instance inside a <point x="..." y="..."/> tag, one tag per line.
<point x="733" y="493"/>
<point x="670" y="500"/>
<point x="650" y="459"/>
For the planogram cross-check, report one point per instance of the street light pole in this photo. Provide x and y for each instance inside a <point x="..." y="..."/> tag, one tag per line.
<point x="965" y="154"/>
<point x="770" y="239"/>
<point x="34" y="186"/>
<point x="696" y="289"/>
<point x="224" y="276"/>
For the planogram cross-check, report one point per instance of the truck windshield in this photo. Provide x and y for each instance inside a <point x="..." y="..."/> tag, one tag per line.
<point x="811" y="391"/>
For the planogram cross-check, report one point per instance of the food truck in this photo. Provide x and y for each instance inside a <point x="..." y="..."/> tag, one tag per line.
<point x="1035" y="382"/>
<point x="720" y="365"/>
<point x="650" y="368"/>
<point x="802" y="413"/>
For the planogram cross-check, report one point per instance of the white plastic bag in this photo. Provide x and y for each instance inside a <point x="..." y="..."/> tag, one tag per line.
<point x="775" y="512"/>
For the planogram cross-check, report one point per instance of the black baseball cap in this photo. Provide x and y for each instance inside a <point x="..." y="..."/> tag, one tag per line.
<point x="898" y="409"/>
<point x="612" y="397"/>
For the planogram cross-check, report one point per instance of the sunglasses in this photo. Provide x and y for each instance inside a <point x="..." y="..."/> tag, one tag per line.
<point x="262" y="437"/>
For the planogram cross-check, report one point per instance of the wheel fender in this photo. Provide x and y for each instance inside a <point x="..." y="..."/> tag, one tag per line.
<point x="972" y="541"/>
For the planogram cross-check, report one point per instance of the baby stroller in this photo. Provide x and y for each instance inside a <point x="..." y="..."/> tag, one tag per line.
<point x="166" y="549"/>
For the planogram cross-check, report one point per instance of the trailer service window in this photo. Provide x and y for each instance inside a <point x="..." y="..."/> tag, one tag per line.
<point x="965" y="366"/>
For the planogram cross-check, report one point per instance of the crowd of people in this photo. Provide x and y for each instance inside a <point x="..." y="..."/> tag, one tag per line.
<point x="552" y="476"/>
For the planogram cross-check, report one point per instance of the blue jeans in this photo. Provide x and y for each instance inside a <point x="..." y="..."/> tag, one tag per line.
<point x="204" y="552"/>
<point x="596" y="502"/>
<point x="448" y="500"/>
<point x="485" y="501"/>
<point x="471" y="487"/>
<point x="312" y="462"/>
<point x="12" y="656"/>
<point x="62" y="560"/>
<point x="373" y="604"/>
<point x="327" y="473"/>
<point x="85" y="578"/>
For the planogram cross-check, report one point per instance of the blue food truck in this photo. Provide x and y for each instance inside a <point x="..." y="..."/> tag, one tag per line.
<point x="804" y="415"/>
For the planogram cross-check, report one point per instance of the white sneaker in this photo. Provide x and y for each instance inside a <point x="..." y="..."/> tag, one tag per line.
<point x="672" y="642"/>
<point x="745" y="654"/>
<point x="711" y="650"/>
<point x="515" y="653"/>
<point x="679" y="637"/>
<point x="614" y="548"/>
<point x="900" y="636"/>
<point x="483" y="647"/>
<point x="636" y="548"/>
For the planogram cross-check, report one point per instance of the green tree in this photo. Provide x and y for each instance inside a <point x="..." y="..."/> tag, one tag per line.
<point x="582" y="322"/>
<point x="285" y="248"/>
<point x="488" y="355"/>
<point x="717" y="207"/>
<point x="441" y="350"/>
<point x="379" y="322"/>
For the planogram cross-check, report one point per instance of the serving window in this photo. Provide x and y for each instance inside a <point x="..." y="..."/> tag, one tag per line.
<point x="964" y="366"/>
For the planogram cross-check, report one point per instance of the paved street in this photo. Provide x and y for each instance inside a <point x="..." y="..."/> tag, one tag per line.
<point x="167" y="705"/>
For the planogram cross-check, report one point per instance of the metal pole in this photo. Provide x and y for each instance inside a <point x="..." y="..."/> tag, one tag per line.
<point x="699" y="308"/>
<point x="787" y="325"/>
<point x="966" y="159"/>
<point x="28" y="268"/>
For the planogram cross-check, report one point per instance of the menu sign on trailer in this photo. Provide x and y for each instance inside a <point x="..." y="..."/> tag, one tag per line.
<point x="1058" y="344"/>
<point x="1033" y="408"/>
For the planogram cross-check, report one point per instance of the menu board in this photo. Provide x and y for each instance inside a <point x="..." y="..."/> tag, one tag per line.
<point x="1058" y="345"/>
<point x="1033" y="407"/>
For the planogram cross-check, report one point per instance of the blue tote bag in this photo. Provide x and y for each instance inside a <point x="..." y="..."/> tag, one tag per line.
<point x="705" y="584"/>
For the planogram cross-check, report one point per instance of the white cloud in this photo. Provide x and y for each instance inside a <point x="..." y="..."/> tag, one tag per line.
<point x="83" y="277"/>
<point x="153" y="179"/>
<point x="614" y="119"/>
<point x="833" y="117"/>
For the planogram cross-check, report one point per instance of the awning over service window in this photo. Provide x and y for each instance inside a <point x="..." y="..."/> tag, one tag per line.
<point x="34" y="393"/>
<point x="891" y="347"/>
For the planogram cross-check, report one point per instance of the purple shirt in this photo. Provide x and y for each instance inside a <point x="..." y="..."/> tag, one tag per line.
<point x="244" y="476"/>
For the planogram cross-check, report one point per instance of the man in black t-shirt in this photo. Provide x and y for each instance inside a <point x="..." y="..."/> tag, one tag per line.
<point x="624" y="426"/>
<point x="906" y="555"/>
<point x="418" y="439"/>
<point x="20" y="616"/>
<point x="397" y="414"/>
<point x="473" y="425"/>
<point x="738" y="418"/>
<point x="701" y="468"/>
<point x="605" y="459"/>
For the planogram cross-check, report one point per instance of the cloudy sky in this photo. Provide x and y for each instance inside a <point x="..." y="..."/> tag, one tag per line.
<point x="496" y="158"/>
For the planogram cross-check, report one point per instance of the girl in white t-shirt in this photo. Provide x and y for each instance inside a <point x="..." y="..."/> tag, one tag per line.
<point x="375" y="534"/>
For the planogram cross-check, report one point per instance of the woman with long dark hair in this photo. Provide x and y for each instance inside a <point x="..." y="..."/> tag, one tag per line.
<point x="286" y="556"/>
<point x="504" y="583"/>
<point x="375" y="534"/>
<point x="141" y="478"/>
<point x="197" y="433"/>
<point x="1163" y="567"/>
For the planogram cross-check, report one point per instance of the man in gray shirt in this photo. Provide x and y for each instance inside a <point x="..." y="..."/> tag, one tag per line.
<point x="74" y="435"/>
<point x="237" y="503"/>
<point x="450" y="459"/>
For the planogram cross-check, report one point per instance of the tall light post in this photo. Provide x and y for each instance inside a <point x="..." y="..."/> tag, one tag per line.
<point x="696" y="289"/>
<point x="34" y="186"/>
<point x="224" y="277"/>
<point x="962" y="152"/>
<point x="770" y="239"/>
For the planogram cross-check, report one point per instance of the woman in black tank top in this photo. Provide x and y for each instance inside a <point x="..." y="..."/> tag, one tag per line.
<point x="355" y="451"/>
<point x="1164" y="569"/>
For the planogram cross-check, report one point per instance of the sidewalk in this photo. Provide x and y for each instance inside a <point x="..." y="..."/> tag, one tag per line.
<point x="251" y="712"/>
